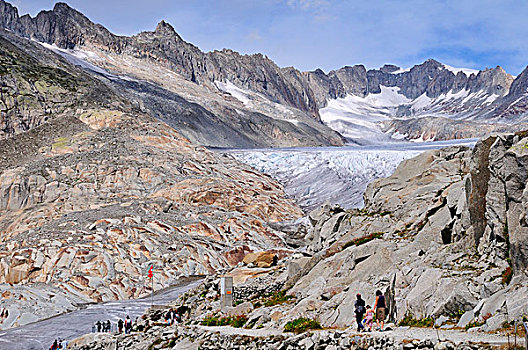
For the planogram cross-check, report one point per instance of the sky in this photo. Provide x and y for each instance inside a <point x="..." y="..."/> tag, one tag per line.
<point x="329" y="34"/>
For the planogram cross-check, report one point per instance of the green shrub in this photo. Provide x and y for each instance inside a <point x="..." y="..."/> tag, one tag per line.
<point x="301" y="325"/>
<point x="238" y="321"/>
<point x="474" y="324"/>
<point x="411" y="321"/>
<point x="233" y="321"/>
<point x="272" y="299"/>
<point x="507" y="275"/>
<point x="456" y="315"/>
<point x="278" y="298"/>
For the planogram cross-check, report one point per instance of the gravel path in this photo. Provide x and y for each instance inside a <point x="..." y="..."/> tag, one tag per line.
<point x="400" y="333"/>
<point x="40" y="335"/>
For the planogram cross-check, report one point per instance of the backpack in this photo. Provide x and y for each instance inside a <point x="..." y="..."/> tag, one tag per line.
<point x="360" y="310"/>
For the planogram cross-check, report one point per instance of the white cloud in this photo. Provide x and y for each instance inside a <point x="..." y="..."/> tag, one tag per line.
<point x="309" y="4"/>
<point x="254" y="35"/>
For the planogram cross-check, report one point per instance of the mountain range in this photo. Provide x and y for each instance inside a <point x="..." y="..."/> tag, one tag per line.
<point x="251" y="102"/>
<point x="104" y="173"/>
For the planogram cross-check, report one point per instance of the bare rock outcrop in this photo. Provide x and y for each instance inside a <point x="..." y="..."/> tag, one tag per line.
<point x="91" y="211"/>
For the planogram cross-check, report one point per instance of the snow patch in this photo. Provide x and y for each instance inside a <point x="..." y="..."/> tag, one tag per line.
<point x="398" y="136"/>
<point x="238" y="93"/>
<point x="78" y="57"/>
<point x="401" y="70"/>
<point x="491" y="98"/>
<point x="466" y="71"/>
<point x="358" y="117"/>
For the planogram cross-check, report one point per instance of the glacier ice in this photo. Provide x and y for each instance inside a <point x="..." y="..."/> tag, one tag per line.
<point x="339" y="175"/>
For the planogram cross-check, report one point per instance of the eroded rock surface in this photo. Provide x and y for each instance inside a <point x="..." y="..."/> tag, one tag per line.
<point x="92" y="211"/>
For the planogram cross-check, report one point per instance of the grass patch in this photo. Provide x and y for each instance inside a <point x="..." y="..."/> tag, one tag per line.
<point x="275" y="298"/>
<point x="362" y="240"/>
<point x="474" y="324"/>
<point x="59" y="143"/>
<point x="278" y="298"/>
<point x="233" y="321"/>
<point x="410" y="321"/>
<point x="301" y="325"/>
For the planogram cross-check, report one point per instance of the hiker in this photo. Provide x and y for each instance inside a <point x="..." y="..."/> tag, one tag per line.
<point x="177" y="317"/>
<point x="359" y="310"/>
<point x="108" y="326"/>
<point x="55" y="345"/>
<point x="98" y="324"/>
<point x="369" y="318"/>
<point x="380" y="306"/>
<point x="120" y="326"/>
<point x="128" y="325"/>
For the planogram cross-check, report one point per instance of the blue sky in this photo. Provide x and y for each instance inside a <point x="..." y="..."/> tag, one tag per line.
<point x="329" y="34"/>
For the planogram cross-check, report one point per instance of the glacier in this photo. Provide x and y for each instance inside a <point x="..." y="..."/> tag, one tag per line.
<point x="339" y="175"/>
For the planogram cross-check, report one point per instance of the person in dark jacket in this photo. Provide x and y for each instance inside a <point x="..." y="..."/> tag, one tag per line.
<point x="128" y="325"/>
<point x="98" y="325"/>
<point x="359" y="310"/>
<point x="380" y="308"/>
<point x="120" y="326"/>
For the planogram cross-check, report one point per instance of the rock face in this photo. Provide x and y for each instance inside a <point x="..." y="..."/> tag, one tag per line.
<point x="37" y="88"/>
<point x="92" y="210"/>
<point x="273" y="94"/>
<point x="92" y="191"/>
<point x="437" y="238"/>
<point x="68" y="28"/>
<point x="439" y="128"/>
<point x="186" y="89"/>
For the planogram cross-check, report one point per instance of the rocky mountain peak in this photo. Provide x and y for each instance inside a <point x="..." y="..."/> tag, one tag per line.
<point x="520" y="85"/>
<point x="165" y="29"/>
<point x="493" y="80"/>
<point x="428" y="65"/>
<point x="62" y="7"/>
<point x="389" y="68"/>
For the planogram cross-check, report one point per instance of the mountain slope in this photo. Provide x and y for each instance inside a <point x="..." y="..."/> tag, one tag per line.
<point x="276" y="115"/>
<point x="98" y="191"/>
<point x="351" y="100"/>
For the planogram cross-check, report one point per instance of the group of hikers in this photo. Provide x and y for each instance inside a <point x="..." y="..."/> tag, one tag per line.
<point x="172" y="316"/>
<point x="365" y="314"/>
<point x="59" y="344"/>
<point x="106" y="326"/>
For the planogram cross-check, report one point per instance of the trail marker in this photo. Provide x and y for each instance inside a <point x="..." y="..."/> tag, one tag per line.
<point x="226" y="292"/>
